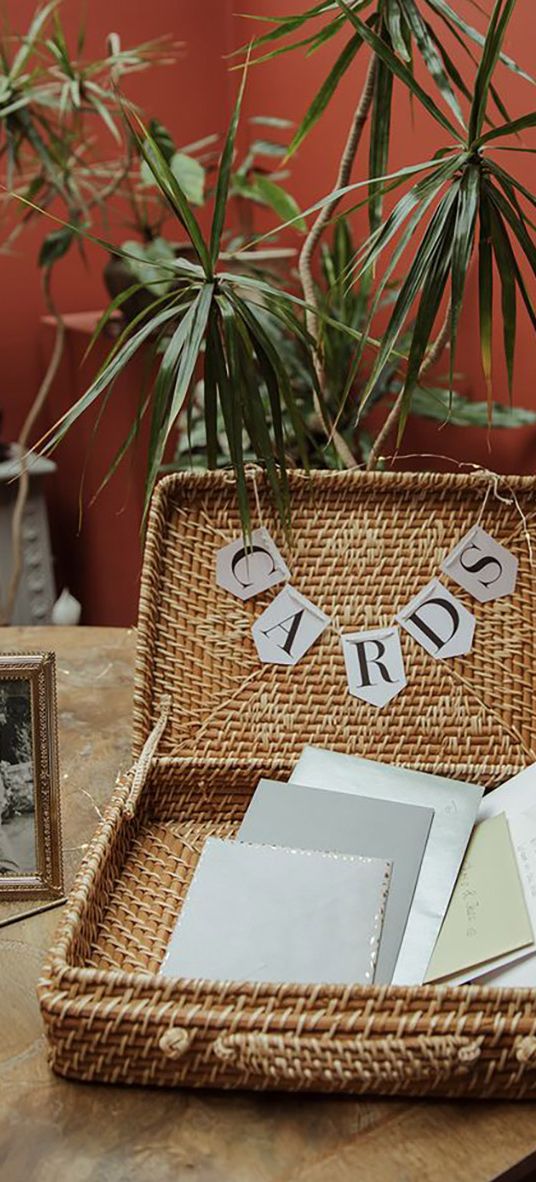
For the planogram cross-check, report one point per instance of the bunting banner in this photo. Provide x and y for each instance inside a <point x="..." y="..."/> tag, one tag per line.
<point x="434" y="617"/>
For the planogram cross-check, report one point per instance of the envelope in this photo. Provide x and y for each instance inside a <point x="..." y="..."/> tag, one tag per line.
<point x="487" y="914"/>
<point x="262" y="913"/>
<point x="455" y="806"/>
<point x="517" y="797"/>
<point x="309" y="818"/>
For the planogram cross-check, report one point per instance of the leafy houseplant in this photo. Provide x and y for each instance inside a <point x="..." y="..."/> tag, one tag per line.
<point x="461" y="200"/>
<point x="349" y="305"/>
<point x="251" y="182"/>
<point x="472" y="183"/>
<point x="52" y="103"/>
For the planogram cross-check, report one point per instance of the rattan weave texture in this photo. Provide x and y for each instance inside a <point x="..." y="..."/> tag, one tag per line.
<point x="362" y="546"/>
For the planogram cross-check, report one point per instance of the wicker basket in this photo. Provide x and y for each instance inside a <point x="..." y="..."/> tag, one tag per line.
<point x="210" y="719"/>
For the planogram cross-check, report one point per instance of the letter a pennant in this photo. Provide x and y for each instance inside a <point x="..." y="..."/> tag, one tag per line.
<point x="374" y="664"/>
<point x="287" y="628"/>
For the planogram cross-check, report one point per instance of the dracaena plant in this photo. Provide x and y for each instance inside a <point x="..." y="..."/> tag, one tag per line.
<point x="52" y="100"/>
<point x="349" y="305"/>
<point x="256" y="179"/>
<point x="462" y="200"/>
<point x="473" y="204"/>
<point x="203" y="312"/>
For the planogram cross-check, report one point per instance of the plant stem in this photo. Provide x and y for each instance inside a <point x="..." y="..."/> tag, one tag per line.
<point x="311" y="242"/>
<point x="6" y="611"/>
<point x="436" y="348"/>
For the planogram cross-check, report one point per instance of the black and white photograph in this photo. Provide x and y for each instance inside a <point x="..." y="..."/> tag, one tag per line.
<point x="18" y="848"/>
<point x="30" y="829"/>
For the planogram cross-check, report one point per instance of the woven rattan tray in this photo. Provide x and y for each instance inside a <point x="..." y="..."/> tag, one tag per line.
<point x="210" y="719"/>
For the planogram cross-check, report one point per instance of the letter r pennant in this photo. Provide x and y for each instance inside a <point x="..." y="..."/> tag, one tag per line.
<point x="374" y="664"/>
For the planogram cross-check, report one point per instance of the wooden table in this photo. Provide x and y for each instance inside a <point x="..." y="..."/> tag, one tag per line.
<point x="52" y="1130"/>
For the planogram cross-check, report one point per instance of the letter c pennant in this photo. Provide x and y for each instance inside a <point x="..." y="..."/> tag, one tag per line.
<point x="249" y="570"/>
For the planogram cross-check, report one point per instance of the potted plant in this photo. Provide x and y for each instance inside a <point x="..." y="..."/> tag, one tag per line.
<point x="463" y="202"/>
<point x="256" y="179"/>
<point x="53" y="103"/>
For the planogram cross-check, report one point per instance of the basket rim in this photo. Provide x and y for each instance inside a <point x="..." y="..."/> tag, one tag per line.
<point x="208" y="478"/>
<point x="194" y="483"/>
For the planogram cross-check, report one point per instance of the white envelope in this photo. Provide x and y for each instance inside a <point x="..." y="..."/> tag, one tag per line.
<point x="455" y="805"/>
<point x="517" y="799"/>
<point x="266" y="913"/>
<point x="515" y="796"/>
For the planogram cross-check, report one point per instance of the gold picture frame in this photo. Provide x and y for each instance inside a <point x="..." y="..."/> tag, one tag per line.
<point x="31" y="865"/>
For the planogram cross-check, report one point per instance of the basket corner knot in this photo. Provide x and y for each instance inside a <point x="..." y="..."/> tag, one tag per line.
<point x="224" y="1047"/>
<point x="469" y="1051"/>
<point x="525" y="1049"/>
<point x="175" y="1042"/>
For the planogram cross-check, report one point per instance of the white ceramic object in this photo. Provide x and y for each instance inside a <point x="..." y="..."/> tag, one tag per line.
<point x="67" y="610"/>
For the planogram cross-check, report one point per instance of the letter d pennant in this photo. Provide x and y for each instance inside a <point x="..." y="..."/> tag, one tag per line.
<point x="439" y="621"/>
<point x="374" y="664"/>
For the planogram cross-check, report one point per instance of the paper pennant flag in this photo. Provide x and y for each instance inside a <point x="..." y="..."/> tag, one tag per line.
<point x="287" y="628"/>
<point x="247" y="572"/>
<point x="482" y="566"/>
<point x="439" y="621"/>
<point x="374" y="664"/>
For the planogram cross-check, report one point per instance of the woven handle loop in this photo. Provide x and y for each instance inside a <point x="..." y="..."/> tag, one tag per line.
<point x="175" y="1042"/>
<point x="351" y="1060"/>
<point x="144" y="762"/>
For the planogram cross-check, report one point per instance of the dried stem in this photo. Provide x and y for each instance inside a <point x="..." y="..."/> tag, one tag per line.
<point x="311" y="242"/>
<point x="6" y="611"/>
<point x="435" y="350"/>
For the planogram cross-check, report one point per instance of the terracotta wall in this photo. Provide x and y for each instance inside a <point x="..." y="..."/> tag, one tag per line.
<point x="194" y="98"/>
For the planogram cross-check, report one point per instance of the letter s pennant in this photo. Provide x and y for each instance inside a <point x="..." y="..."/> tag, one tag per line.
<point x="482" y="566"/>
<point x="374" y="664"/>
<point x="287" y="628"/>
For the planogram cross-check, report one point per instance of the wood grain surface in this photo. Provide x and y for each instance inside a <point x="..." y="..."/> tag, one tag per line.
<point x="52" y="1130"/>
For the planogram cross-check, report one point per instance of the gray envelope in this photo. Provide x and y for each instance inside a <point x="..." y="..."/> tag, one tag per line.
<point x="316" y="819"/>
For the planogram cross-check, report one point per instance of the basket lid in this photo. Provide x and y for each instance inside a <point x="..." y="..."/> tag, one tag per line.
<point x="362" y="545"/>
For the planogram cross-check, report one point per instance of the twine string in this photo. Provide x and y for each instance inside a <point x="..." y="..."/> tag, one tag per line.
<point x="493" y="479"/>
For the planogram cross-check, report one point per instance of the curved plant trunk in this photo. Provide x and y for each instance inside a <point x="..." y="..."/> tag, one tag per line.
<point x="391" y="421"/>
<point x="311" y="242"/>
<point x="6" y="609"/>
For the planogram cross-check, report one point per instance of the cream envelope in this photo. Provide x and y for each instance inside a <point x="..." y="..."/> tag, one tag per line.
<point x="455" y="807"/>
<point x="487" y="914"/>
<point x="265" y="913"/>
<point x="517" y="797"/>
<point x="508" y="969"/>
<point x="521" y="974"/>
